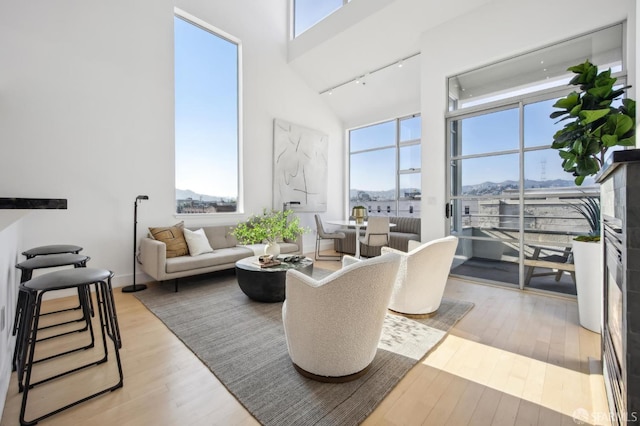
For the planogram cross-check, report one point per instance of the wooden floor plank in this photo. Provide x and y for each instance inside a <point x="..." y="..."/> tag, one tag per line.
<point x="516" y="358"/>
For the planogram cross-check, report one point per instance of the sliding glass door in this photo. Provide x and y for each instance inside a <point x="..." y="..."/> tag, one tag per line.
<point x="510" y="200"/>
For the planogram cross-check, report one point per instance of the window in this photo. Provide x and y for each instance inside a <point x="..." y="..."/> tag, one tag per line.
<point x="206" y="118"/>
<point x="385" y="167"/>
<point x="538" y="70"/>
<point x="307" y="13"/>
<point x="510" y="200"/>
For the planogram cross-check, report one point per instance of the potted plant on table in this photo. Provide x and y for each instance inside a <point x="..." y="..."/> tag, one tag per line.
<point x="269" y="227"/>
<point x="593" y="126"/>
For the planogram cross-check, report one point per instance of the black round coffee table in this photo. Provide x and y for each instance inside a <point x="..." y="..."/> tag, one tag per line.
<point x="267" y="284"/>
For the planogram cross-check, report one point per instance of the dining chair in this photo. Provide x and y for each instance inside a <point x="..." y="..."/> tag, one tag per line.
<point x="377" y="232"/>
<point x="321" y="234"/>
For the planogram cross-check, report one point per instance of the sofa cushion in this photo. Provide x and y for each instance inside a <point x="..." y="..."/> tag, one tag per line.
<point x="197" y="242"/>
<point x="220" y="236"/>
<point x="221" y="256"/>
<point x="173" y="237"/>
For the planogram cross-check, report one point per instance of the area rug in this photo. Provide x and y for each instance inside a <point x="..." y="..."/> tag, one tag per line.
<point x="243" y="344"/>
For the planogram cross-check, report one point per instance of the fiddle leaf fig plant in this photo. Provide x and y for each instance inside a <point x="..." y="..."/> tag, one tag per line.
<point x="594" y="125"/>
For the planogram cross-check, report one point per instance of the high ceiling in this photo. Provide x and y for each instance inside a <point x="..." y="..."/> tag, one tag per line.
<point x="345" y="46"/>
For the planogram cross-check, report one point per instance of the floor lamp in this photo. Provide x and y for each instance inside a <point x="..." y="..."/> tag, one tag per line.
<point x="134" y="287"/>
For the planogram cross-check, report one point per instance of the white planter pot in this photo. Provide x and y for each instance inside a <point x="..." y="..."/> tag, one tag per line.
<point x="272" y="248"/>
<point x="587" y="257"/>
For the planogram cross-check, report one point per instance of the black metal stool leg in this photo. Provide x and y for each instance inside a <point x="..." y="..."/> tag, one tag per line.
<point x="29" y="330"/>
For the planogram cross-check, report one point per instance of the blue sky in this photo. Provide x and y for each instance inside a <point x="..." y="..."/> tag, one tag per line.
<point x="206" y="111"/>
<point x="309" y="12"/>
<point x="206" y="125"/>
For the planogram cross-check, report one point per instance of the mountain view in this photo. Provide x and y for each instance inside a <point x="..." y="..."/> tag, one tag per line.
<point x="496" y="188"/>
<point x="485" y="188"/>
<point x="184" y="194"/>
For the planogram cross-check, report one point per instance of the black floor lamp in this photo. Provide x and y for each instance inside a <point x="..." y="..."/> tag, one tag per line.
<point x="134" y="287"/>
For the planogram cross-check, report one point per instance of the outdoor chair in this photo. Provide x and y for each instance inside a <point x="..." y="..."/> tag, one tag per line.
<point x="556" y="259"/>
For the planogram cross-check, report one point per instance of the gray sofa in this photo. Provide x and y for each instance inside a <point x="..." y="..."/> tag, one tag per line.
<point x="407" y="228"/>
<point x="226" y="251"/>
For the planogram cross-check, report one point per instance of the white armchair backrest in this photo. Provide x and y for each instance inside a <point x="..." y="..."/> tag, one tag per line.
<point x="333" y="325"/>
<point x="422" y="276"/>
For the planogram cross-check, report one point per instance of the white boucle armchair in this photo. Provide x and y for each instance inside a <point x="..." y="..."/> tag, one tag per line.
<point x="333" y="325"/>
<point x="422" y="276"/>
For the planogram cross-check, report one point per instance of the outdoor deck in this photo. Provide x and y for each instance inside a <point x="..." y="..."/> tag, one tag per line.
<point x="507" y="272"/>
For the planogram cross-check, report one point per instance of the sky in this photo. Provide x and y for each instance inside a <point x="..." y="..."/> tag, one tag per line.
<point x="492" y="132"/>
<point x="309" y="12"/>
<point x="206" y="111"/>
<point x="376" y="170"/>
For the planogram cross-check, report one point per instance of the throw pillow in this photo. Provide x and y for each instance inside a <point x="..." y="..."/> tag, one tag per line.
<point x="173" y="237"/>
<point x="197" y="242"/>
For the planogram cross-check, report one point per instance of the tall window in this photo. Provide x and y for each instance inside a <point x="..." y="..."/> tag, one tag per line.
<point x="385" y="167"/>
<point x="207" y="116"/>
<point x="307" y="13"/>
<point x="511" y="203"/>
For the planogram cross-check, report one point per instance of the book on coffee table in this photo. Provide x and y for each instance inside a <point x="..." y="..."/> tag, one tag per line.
<point x="274" y="262"/>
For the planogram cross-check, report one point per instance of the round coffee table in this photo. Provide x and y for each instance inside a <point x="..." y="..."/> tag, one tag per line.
<point x="267" y="284"/>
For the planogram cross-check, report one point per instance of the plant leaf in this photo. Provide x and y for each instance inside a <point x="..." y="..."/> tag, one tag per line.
<point x="593" y="115"/>
<point x="600" y="92"/>
<point x="630" y="141"/>
<point x="569" y="102"/>
<point x="621" y="124"/>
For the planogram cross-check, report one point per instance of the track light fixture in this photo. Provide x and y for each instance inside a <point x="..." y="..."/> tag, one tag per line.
<point x="361" y="79"/>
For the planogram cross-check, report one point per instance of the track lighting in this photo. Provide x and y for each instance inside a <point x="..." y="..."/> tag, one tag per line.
<point x="362" y="79"/>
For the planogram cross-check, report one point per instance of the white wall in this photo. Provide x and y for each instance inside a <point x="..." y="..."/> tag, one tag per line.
<point x="86" y="113"/>
<point x="497" y="31"/>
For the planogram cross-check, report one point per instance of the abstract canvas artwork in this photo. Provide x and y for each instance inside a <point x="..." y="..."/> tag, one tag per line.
<point x="299" y="167"/>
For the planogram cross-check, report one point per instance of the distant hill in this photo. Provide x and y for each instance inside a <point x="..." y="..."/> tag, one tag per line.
<point x="485" y="188"/>
<point x="183" y="194"/>
<point x="495" y="188"/>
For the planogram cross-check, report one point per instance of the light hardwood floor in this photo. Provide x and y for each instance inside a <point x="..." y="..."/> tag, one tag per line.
<point x="516" y="358"/>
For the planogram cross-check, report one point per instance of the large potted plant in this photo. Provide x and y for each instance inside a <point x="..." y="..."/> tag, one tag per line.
<point x="587" y="259"/>
<point x="594" y="125"/>
<point x="269" y="227"/>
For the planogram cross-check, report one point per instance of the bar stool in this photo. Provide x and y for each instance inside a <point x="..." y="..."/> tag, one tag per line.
<point x="52" y="249"/>
<point x="49" y="261"/>
<point x="34" y="290"/>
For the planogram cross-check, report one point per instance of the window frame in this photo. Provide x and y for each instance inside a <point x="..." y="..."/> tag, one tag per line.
<point x="191" y="19"/>
<point x="397" y="145"/>
<point x="519" y="102"/>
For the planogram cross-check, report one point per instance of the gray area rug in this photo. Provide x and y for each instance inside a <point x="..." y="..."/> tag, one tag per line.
<point x="243" y="344"/>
